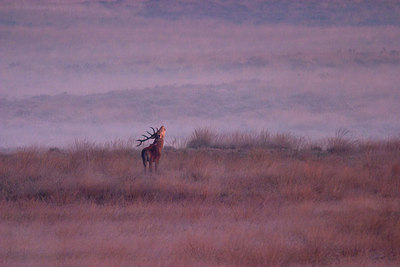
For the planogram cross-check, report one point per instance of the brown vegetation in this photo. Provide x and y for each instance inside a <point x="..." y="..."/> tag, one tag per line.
<point x="282" y="201"/>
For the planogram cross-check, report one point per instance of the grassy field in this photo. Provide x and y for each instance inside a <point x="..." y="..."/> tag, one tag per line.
<point x="219" y="200"/>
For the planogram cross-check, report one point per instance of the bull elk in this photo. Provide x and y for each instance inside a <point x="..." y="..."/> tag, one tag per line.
<point x="152" y="153"/>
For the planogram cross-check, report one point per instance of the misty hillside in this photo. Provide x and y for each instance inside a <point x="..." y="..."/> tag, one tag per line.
<point x="329" y="82"/>
<point x="185" y="102"/>
<point x="313" y="12"/>
<point x="251" y="100"/>
<point x="110" y="69"/>
<point x="245" y="105"/>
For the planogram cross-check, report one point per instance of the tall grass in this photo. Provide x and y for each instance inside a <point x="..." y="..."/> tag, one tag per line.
<point x="238" y="200"/>
<point x="342" y="142"/>
<point x="205" y="138"/>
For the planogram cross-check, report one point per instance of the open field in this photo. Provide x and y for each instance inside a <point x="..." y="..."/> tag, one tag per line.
<point x="218" y="201"/>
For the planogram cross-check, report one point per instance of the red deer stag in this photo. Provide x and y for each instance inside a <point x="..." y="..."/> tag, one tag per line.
<point x="152" y="153"/>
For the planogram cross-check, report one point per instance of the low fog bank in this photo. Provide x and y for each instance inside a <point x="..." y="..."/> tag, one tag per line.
<point x="248" y="106"/>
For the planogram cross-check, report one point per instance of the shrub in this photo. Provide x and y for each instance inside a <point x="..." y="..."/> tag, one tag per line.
<point x="342" y="142"/>
<point x="202" y="137"/>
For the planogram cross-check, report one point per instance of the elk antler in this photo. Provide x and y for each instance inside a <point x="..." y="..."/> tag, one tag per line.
<point x="152" y="136"/>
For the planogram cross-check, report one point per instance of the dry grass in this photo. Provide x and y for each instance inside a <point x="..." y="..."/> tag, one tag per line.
<point x="204" y="137"/>
<point x="268" y="205"/>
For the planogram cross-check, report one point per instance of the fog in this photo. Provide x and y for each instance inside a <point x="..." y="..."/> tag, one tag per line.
<point x="103" y="70"/>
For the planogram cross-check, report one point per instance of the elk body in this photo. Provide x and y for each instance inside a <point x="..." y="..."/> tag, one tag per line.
<point x="152" y="153"/>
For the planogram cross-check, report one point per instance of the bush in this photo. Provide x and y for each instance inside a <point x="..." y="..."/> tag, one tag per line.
<point x="342" y="142"/>
<point x="202" y="137"/>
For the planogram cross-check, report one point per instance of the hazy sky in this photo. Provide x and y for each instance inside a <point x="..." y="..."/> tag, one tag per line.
<point x="304" y="55"/>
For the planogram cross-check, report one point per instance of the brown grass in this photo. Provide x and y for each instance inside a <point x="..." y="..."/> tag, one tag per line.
<point x="265" y="205"/>
<point x="204" y="137"/>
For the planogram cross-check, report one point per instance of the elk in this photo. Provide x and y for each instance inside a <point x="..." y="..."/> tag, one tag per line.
<point x="152" y="153"/>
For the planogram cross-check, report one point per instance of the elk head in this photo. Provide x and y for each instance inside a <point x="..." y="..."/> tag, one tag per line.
<point x="155" y="135"/>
